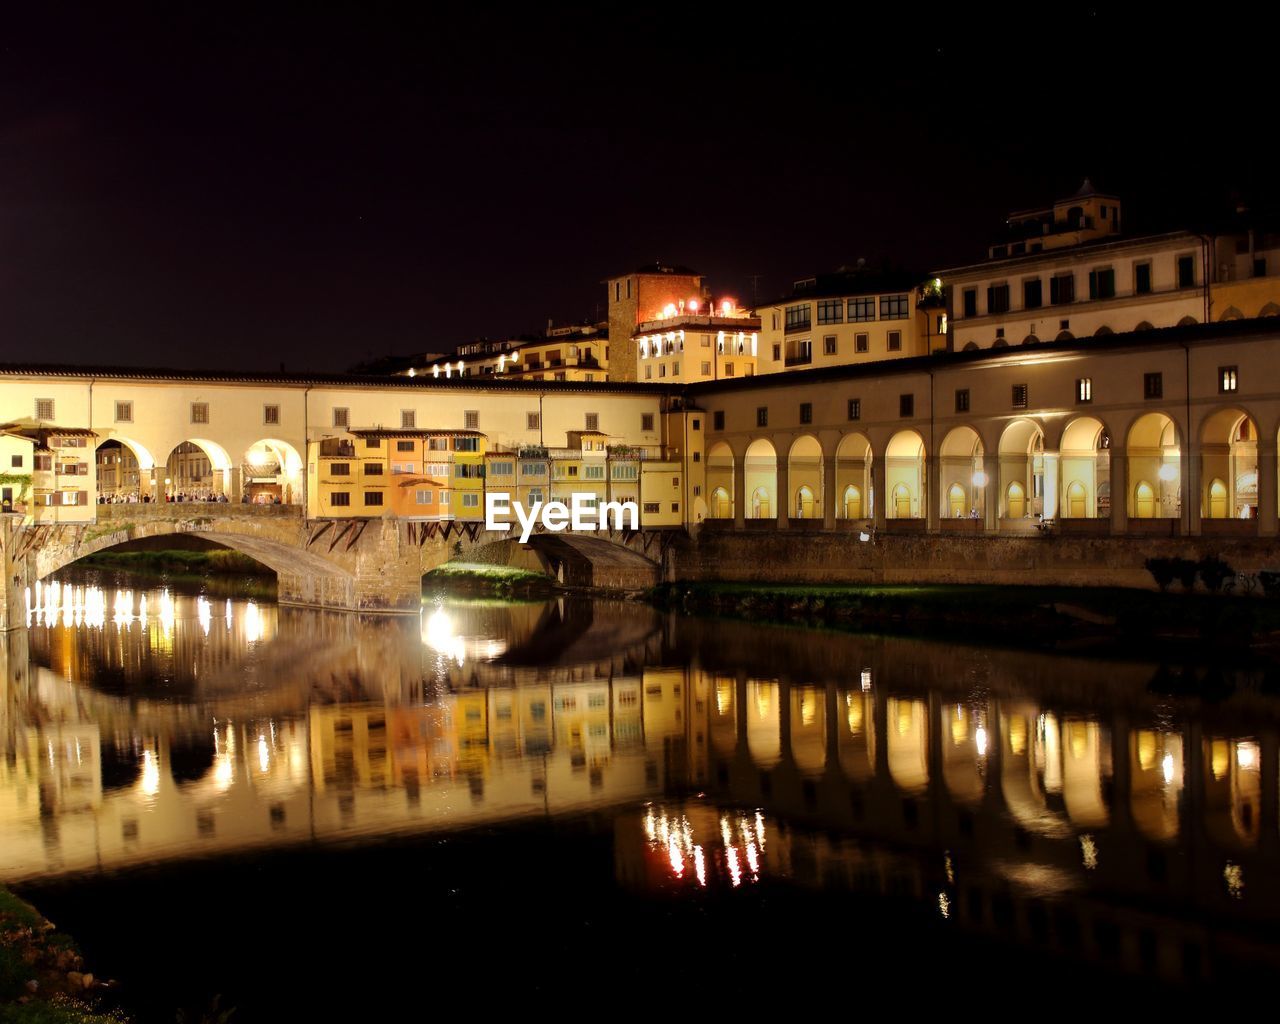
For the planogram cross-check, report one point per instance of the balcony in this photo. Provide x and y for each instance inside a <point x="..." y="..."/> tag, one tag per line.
<point x="800" y="359"/>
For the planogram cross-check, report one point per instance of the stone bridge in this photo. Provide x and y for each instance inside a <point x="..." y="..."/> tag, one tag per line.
<point x="365" y="565"/>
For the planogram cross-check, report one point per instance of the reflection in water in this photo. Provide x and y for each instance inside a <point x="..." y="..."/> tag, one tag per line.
<point x="141" y="726"/>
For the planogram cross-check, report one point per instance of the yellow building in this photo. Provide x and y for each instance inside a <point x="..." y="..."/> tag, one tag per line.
<point x="17" y="461"/>
<point x="687" y="343"/>
<point x="851" y="316"/>
<point x="642" y="296"/>
<point x="347" y="478"/>
<point x="63" y="474"/>
<point x="577" y="352"/>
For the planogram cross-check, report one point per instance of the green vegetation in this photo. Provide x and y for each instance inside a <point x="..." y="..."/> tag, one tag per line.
<point x="218" y="562"/>
<point x="499" y="580"/>
<point x="1239" y="627"/>
<point x="41" y="974"/>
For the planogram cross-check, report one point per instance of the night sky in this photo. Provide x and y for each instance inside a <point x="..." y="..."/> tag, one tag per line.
<point x="221" y="189"/>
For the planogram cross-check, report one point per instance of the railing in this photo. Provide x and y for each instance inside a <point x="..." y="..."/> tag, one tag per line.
<point x="800" y="360"/>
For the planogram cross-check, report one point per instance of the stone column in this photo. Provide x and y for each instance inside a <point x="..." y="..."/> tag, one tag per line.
<point x="1119" y="490"/>
<point x="933" y="493"/>
<point x="781" y="448"/>
<point x="878" y="512"/>
<point x="1052" y="476"/>
<point x="739" y="491"/>
<point x="829" y="497"/>
<point x="1189" y="483"/>
<point x="991" y="492"/>
<point x="1267" y="525"/>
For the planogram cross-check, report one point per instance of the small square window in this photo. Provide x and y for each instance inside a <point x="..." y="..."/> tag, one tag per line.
<point x="806" y="412"/>
<point x="471" y="419"/>
<point x="1019" y="396"/>
<point x="762" y="416"/>
<point x="1153" y="385"/>
<point x="593" y="421"/>
<point x="341" y="418"/>
<point x="124" y="412"/>
<point x="855" y="408"/>
<point x="15" y="462"/>
<point x="408" y="419"/>
<point x="829" y="345"/>
<point x="906" y="405"/>
<point x="44" y="408"/>
<point x="962" y="399"/>
<point x="861" y="342"/>
<point x="199" y="412"/>
<point x="697" y="423"/>
<point x="1228" y="379"/>
<point x="895" y="341"/>
<point x="271" y="415"/>
<point x="532" y="420"/>
<point x="646" y="422"/>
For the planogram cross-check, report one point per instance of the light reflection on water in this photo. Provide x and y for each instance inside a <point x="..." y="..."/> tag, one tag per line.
<point x="143" y="726"/>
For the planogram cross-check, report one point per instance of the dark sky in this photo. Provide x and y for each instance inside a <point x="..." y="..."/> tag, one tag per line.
<point x="207" y="188"/>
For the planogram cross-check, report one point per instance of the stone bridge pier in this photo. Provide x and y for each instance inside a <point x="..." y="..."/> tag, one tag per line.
<point x="357" y="565"/>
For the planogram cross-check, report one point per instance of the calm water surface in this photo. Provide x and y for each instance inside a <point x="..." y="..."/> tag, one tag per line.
<point x="580" y="807"/>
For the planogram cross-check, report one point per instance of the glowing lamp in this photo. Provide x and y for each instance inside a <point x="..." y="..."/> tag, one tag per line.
<point x="726" y="307"/>
<point x="412" y="372"/>
<point x="1168" y="472"/>
<point x="693" y="305"/>
<point x="979" y="479"/>
<point x="669" y="310"/>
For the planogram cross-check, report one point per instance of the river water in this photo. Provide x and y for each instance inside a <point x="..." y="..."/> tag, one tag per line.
<point x="576" y="806"/>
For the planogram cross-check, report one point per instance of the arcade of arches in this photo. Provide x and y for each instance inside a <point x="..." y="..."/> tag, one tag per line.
<point x="1008" y="481"/>
<point x="269" y="471"/>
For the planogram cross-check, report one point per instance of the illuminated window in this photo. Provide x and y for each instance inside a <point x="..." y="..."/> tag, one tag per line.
<point x="124" y="412"/>
<point x="1228" y="379"/>
<point x="1084" y="389"/>
<point x="271" y="414"/>
<point x="199" y="412"/>
<point x="862" y="311"/>
<point x="44" y="408"/>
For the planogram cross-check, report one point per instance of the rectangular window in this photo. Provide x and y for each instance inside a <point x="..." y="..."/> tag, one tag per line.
<point x="1186" y="271"/>
<point x="1142" y="279"/>
<point x="199" y="412"/>
<point x="15" y="462"/>
<point x="593" y="472"/>
<point x="855" y="408"/>
<point x="829" y="345"/>
<point x="470" y="499"/>
<point x="861" y="343"/>
<point x="651" y="507"/>
<point x="675" y="368"/>
<point x="728" y="369"/>
<point x="1153" y="385"/>
<point x="342" y="418"/>
<point x="998" y="298"/>
<point x="762" y="416"/>
<point x="593" y="421"/>
<point x="373" y="442"/>
<point x="124" y="412"/>
<point x="706" y="367"/>
<point x="1062" y="289"/>
<point x="1032" y="294"/>
<point x="1228" y="379"/>
<point x="962" y="399"/>
<point x="373" y="469"/>
<point x="532" y="421"/>
<point x="1102" y="283"/>
<point x="646" y="422"/>
<point x="271" y="414"/>
<point x="1019" y="396"/>
<point x="466" y="444"/>
<point x="862" y="311"/>
<point x="425" y="497"/>
<point x="717" y="419"/>
<point x="340" y="469"/>
<point x="340" y="499"/>
<point x="893" y="307"/>
<point x="44" y="408"/>
<point x="471" y="419"/>
<point x="404" y="446"/>
<point x="408" y="419"/>
<point x="777" y="353"/>
<point x="831" y="311"/>
<point x="970" y="302"/>
<point x="806" y="412"/>
<point x="798" y="318"/>
<point x="1259" y="266"/>
<point x="373" y="497"/>
<point x="906" y="405"/>
<point x="895" y="341"/>
<point x="1084" y="390"/>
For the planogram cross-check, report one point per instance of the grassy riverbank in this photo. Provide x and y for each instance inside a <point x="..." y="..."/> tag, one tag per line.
<point x="481" y="578"/>
<point x="1020" y="616"/>
<point x="42" y="976"/>
<point x="220" y="562"/>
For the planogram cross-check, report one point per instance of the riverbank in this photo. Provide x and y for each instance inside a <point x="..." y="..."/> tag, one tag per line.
<point x="481" y="579"/>
<point x="1111" y="619"/>
<point x="42" y="976"/>
<point x="204" y="572"/>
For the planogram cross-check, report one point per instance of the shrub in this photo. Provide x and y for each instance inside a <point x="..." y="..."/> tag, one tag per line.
<point x="1161" y="570"/>
<point x="1215" y="573"/>
<point x="1184" y="570"/>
